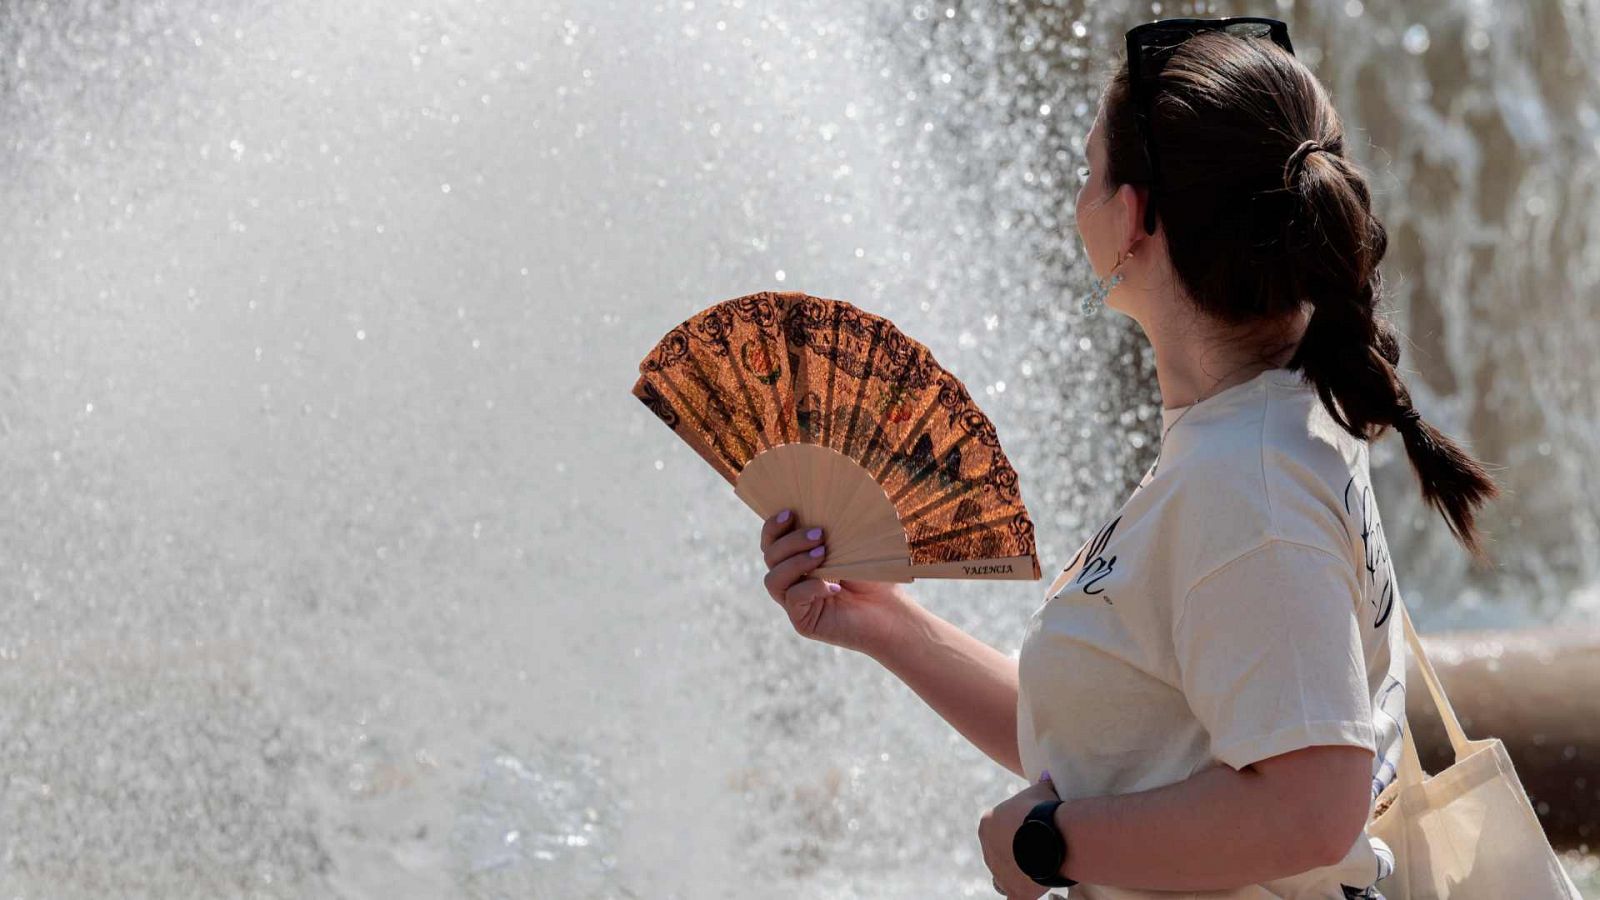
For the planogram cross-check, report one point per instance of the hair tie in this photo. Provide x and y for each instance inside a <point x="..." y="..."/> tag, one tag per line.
<point x="1408" y="416"/>
<point x="1291" y="169"/>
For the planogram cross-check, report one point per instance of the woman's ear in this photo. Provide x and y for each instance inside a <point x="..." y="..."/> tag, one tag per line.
<point x="1130" y="210"/>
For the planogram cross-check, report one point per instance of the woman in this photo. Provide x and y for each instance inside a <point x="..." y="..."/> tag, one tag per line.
<point x="1212" y="693"/>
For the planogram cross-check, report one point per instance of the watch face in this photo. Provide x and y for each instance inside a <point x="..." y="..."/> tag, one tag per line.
<point x="1038" y="850"/>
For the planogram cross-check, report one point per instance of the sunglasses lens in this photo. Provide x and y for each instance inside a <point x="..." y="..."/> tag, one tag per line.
<point x="1167" y="38"/>
<point x="1249" y="29"/>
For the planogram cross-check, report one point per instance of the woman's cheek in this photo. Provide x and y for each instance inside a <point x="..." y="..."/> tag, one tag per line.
<point x="1085" y="229"/>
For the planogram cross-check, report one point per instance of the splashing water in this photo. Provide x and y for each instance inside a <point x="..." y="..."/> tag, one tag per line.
<point x="341" y="563"/>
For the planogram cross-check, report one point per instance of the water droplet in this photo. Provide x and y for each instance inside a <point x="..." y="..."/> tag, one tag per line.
<point x="1416" y="39"/>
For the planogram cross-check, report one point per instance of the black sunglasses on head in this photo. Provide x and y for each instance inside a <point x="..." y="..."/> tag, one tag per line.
<point x="1150" y="46"/>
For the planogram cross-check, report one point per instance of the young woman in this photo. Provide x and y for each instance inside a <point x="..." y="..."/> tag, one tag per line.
<point x="1212" y="693"/>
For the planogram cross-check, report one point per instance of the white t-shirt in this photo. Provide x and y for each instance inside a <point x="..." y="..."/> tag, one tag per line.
<point x="1240" y="604"/>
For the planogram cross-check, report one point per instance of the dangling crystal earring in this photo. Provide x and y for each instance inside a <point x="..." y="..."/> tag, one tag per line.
<point x="1096" y="300"/>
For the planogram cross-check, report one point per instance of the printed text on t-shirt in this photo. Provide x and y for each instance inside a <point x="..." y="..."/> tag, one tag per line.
<point x="1376" y="548"/>
<point x="1096" y="565"/>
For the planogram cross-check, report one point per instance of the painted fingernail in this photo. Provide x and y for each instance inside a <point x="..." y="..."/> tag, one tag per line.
<point x="818" y="550"/>
<point x="1045" y="776"/>
<point x="814" y="533"/>
<point x="783" y="517"/>
<point x="833" y="588"/>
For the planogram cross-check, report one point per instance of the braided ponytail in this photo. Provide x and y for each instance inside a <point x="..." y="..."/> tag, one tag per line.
<point x="1349" y="351"/>
<point x="1263" y="214"/>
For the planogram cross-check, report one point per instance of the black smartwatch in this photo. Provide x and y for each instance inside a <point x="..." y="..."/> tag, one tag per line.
<point x="1039" y="848"/>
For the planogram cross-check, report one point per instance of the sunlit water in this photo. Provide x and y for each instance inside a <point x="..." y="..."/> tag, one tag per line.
<point x="339" y="560"/>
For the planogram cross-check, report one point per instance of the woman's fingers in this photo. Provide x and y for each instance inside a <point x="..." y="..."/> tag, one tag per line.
<point x="794" y="568"/>
<point x="800" y="600"/>
<point x="776" y="526"/>
<point x="791" y="554"/>
<point x="798" y="540"/>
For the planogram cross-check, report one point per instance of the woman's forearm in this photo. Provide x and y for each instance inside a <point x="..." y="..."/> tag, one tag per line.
<point x="971" y="684"/>
<point x="1220" y="828"/>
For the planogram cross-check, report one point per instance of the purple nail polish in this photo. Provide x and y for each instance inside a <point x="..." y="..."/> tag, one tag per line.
<point x="783" y="517"/>
<point x="814" y="533"/>
<point x="818" y="550"/>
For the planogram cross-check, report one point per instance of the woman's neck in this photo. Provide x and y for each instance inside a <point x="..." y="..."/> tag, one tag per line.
<point x="1194" y="363"/>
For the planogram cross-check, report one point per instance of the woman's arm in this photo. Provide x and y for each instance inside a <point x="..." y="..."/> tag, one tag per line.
<point x="971" y="684"/>
<point x="1221" y="827"/>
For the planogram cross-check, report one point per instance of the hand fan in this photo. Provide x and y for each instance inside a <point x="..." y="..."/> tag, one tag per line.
<point x="813" y="405"/>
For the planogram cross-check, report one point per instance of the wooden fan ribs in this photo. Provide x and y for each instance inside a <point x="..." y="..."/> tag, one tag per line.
<point x="766" y="372"/>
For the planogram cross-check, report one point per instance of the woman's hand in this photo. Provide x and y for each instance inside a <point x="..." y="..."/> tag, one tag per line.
<point x="856" y="615"/>
<point x="996" y="830"/>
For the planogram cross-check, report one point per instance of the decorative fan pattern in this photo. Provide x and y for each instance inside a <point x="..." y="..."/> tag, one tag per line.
<point x="773" y="368"/>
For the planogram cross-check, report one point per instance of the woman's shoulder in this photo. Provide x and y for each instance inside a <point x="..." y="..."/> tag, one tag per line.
<point x="1310" y="464"/>
<point x="1275" y="469"/>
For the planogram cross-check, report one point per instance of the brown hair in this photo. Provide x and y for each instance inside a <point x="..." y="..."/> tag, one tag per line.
<point x="1263" y="212"/>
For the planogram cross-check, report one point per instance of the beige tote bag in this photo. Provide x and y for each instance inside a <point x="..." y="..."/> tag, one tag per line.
<point x="1468" y="832"/>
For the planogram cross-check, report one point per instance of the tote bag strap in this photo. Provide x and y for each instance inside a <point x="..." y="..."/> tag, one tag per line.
<point x="1458" y="739"/>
